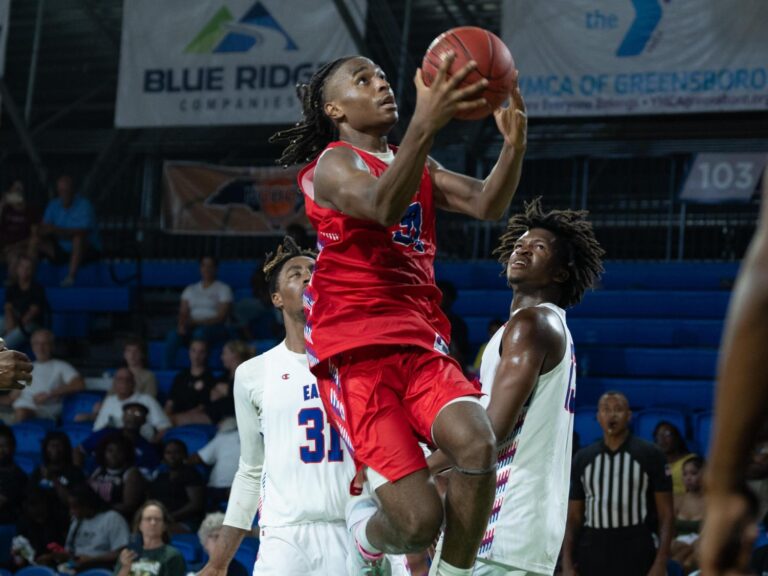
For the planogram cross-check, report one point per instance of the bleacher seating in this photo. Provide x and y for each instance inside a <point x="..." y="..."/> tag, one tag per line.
<point x="79" y="403"/>
<point x="27" y="461"/>
<point x="29" y="436"/>
<point x="194" y="436"/>
<point x="37" y="571"/>
<point x="585" y="424"/>
<point x="7" y="533"/>
<point x="645" y="421"/>
<point x="702" y="430"/>
<point x="77" y="432"/>
<point x="189" y="546"/>
<point x="247" y="552"/>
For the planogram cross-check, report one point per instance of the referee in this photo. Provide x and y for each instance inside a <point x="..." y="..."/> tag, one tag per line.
<point x="620" y="485"/>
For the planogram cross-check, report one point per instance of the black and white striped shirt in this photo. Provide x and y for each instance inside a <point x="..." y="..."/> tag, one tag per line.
<point x="618" y="487"/>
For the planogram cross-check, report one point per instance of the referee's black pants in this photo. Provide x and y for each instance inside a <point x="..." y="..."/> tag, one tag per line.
<point x="615" y="551"/>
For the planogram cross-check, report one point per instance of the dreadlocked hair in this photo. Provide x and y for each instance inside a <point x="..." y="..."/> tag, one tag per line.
<point x="582" y="252"/>
<point x="274" y="261"/>
<point x="310" y="136"/>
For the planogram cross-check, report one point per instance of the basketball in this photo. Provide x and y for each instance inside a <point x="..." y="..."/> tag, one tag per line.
<point x="494" y="63"/>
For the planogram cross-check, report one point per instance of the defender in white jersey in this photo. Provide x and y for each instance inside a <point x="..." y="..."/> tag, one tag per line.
<point x="528" y="374"/>
<point x="294" y="468"/>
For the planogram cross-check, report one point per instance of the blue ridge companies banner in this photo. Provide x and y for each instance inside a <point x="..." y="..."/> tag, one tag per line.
<point x="214" y="62"/>
<point x="616" y="57"/>
<point x="225" y="200"/>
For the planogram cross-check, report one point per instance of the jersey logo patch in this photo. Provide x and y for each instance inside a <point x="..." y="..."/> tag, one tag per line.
<point x="285" y="376"/>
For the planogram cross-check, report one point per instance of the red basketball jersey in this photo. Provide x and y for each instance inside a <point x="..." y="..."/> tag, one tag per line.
<point x="372" y="284"/>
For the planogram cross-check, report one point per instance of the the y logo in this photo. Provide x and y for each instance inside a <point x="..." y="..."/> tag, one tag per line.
<point x="223" y="34"/>
<point x="647" y="18"/>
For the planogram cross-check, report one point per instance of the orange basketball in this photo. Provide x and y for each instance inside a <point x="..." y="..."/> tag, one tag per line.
<point x="494" y="63"/>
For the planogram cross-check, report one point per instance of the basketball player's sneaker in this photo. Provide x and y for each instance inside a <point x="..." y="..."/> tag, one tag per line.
<point x="360" y="562"/>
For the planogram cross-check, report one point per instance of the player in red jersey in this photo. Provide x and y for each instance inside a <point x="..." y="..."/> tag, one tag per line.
<point x="376" y="337"/>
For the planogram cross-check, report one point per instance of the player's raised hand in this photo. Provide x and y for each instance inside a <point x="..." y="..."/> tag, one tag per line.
<point x="15" y="370"/>
<point x="438" y="103"/>
<point x="512" y="121"/>
<point x="727" y="535"/>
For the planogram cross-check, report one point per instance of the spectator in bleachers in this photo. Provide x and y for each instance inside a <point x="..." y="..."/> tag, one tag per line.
<point x="459" y="347"/>
<point x="223" y="453"/>
<point x="67" y="234"/>
<point x="611" y="531"/>
<point x="689" y="513"/>
<point x="135" y="356"/>
<point x="190" y="395"/>
<point x="57" y="473"/>
<point x="156" y="557"/>
<point x="208" y="534"/>
<point x="16" y="221"/>
<point x="203" y="314"/>
<point x="255" y="316"/>
<point x="13" y="481"/>
<point x="111" y="411"/>
<point x="52" y="379"/>
<point x="670" y="441"/>
<point x="493" y="325"/>
<point x="116" y="479"/>
<point x="25" y="305"/>
<point x="134" y="420"/>
<point x="222" y="401"/>
<point x="179" y="487"/>
<point x="95" y="537"/>
<point x="42" y="525"/>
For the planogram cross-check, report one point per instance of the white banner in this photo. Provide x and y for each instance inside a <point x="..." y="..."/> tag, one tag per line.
<point x="615" y="57"/>
<point x="208" y="62"/>
<point x="716" y="178"/>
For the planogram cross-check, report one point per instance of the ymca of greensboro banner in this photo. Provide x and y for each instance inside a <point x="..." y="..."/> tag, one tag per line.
<point x="224" y="200"/>
<point x="611" y="57"/>
<point x="222" y="62"/>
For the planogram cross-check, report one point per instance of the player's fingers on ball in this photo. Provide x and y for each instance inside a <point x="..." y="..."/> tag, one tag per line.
<point x="468" y="105"/>
<point x="461" y="75"/>
<point x="418" y="78"/>
<point x="468" y="92"/>
<point x="445" y="64"/>
<point x="517" y="98"/>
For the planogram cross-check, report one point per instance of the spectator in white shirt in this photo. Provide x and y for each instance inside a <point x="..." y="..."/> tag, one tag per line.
<point x="111" y="411"/>
<point x="52" y="379"/>
<point x="203" y="314"/>
<point x="223" y="453"/>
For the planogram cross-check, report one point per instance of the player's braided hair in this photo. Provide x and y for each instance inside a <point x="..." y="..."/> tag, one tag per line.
<point x="582" y="255"/>
<point x="308" y="138"/>
<point x="274" y="261"/>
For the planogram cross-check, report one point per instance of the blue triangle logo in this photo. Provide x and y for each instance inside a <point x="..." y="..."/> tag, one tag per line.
<point x="244" y="34"/>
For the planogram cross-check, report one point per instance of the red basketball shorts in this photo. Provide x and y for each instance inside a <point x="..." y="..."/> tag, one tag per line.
<point x="384" y="399"/>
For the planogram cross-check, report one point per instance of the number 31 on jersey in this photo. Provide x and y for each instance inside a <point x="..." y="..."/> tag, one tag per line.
<point x="314" y="452"/>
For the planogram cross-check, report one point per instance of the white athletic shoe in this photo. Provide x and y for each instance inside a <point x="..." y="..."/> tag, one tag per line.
<point x="359" y="563"/>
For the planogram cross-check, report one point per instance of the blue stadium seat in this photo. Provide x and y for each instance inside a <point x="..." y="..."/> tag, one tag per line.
<point x="668" y="275"/>
<point x="37" y="571"/>
<point x="156" y="356"/>
<point x="114" y="299"/>
<point x="467" y="275"/>
<point x="7" y="533"/>
<point x="29" y="437"/>
<point x="189" y="546"/>
<point x="164" y="383"/>
<point x="47" y="424"/>
<point x="702" y="430"/>
<point x="194" y="436"/>
<point x="646" y="362"/>
<point x="79" y="403"/>
<point x="96" y="572"/>
<point x="77" y="432"/>
<point x="585" y="424"/>
<point x="645" y="421"/>
<point x="644" y="332"/>
<point x="27" y="461"/>
<point x="70" y="324"/>
<point x="674" y="569"/>
<point x="647" y="392"/>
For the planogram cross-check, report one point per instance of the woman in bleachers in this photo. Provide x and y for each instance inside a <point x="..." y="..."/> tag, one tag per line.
<point x="222" y="405"/>
<point x="135" y="356"/>
<point x="150" y="551"/>
<point x="56" y="475"/>
<point x="689" y="512"/>
<point x="180" y="487"/>
<point x="670" y="441"/>
<point x="116" y="479"/>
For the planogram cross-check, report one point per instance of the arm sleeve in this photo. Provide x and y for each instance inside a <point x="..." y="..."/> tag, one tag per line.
<point x="246" y="487"/>
<point x="68" y="372"/>
<point x="102" y="418"/>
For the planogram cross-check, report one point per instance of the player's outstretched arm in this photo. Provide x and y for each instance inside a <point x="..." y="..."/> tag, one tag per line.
<point x="740" y="409"/>
<point x="488" y="199"/>
<point x="342" y="180"/>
